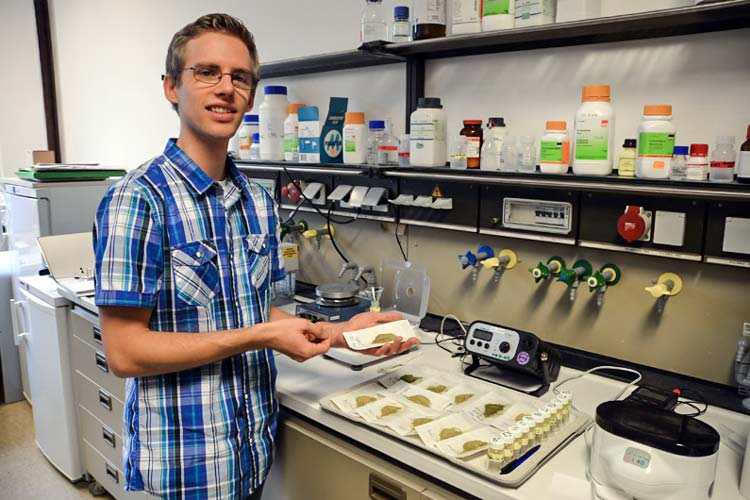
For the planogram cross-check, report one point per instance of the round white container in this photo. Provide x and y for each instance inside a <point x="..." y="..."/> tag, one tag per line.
<point x="427" y="138"/>
<point x="245" y="135"/>
<point x="655" y="142"/>
<point x="594" y="132"/>
<point x="273" y="112"/>
<point x="355" y="138"/>
<point x="554" y="155"/>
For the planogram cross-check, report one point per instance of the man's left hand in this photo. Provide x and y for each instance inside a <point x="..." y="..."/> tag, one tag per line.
<point x="366" y="320"/>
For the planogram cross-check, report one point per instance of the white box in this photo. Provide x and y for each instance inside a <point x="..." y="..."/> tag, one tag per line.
<point x="578" y="10"/>
<point x="736" y="235"/>
<point x="669" y="228"/>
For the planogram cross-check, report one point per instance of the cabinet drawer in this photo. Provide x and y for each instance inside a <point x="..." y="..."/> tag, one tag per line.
<point x="108" y="475"/>
<point x="102" y="404"/>
<point x="102" y="437"/>
<point x="93" y="363"/>
<point x="86" y="327"/>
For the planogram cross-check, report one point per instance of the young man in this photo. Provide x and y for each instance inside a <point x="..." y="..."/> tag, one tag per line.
<point x="186" y="250"/>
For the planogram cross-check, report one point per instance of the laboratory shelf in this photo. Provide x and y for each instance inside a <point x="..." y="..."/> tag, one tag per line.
<point x="297" y="167"/>
<point x="334" y="61"/>
<point x="726" y="15"/>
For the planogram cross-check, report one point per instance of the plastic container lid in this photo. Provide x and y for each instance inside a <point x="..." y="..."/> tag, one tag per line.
<point x="406" y="289"/>
<point x="401" y="12"/>
<point x="294" y="107"/>
<point x="595" y="93"/>
<point x="376" y="124"/>
<point x="473" y="122"/>
<point x="699" y="150"/>
<point x="354" y="118"/>
<point x="429" y="102"/>
<point x="495" y="122"/>
<point x="308" y="114"/>
<point x="557" y="125"/>
<point x="681" y="150"/>
<point x="274" y="90"/>
<point x="248" y="118"/>
<point x="657" y="110"/>
<point x="256" y="137"/>
<point x="629" y="143"/>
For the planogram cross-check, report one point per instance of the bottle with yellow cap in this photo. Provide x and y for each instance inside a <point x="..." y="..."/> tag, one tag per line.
<point x="291" y="132"/>
<point x="655" y="142"/>
<point x="555" y="150"/>
<point x="594" y="132"/>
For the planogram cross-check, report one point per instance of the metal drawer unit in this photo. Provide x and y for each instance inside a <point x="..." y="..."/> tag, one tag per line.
<point x="101" y="403"/>
<point x="103" y="438"/>
<point x="107" y="474"/>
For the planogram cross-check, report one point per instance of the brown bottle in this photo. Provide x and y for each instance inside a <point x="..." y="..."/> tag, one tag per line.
<point x="429" y="19"/>
<point x="743" y="168"/>
<point x="473" y="132"/>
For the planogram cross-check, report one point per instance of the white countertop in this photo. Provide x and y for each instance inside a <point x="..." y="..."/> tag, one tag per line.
<point x="301" y="385"/>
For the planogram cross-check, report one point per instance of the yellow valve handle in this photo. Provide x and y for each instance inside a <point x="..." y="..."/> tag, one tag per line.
<point x="512" y="258"/>
<point x="657" y="290"/>
<point x="312" y="233"/>
<point x="661" y="288"/>
<point x="491" y="263"/>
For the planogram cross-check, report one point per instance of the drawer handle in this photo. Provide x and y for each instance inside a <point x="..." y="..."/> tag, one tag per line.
<point x="101" y="362"/>
<point x="109" y="437"/>
<point x="112" y="473"/>
<point x="382" y="489"/>
<point x="105" y="400"/>
<point x="98" y="335"/>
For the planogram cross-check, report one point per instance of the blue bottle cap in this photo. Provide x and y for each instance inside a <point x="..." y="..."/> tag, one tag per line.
<point x="256" y="137"/>
<point x="274" y="90"/>
<point x="401" y="12"/>
<point x="248" y="118"/>
<point x="375" y="124"/>
<point x="681" y="150"/>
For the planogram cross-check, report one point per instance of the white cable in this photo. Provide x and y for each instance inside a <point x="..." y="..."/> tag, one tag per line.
<point x="603" y="367"/>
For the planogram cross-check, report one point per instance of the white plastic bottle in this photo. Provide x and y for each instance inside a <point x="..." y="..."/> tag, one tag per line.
<point x="554" y="156"/>
<point x="467" y="17"/>
<point x="272" y="114"/>
<point x="291" y="133"/>
<point x="697" y="168"/>
<point x="355" y="138"/>
<point x="388" y="148"/>
<point x="245" y="135"/>
<point x="723" y="159"/>
<point x="374" y="26"/>
<point x="498" y="14"/>
<point x="255" y="147"/>
<point x="594" y="132"/>
<point x="427" y="139"/>
<point x="656" y="136"/>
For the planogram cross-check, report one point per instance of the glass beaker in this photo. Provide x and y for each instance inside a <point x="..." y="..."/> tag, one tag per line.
<point x="526" y="155"/>
<point x="458" y="152"/>
<point x="508" y="160"/>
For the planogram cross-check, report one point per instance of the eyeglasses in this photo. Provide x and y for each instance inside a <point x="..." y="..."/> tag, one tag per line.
<point x="212" y="75"/>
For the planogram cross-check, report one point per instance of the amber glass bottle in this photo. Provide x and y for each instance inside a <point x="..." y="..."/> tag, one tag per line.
<point x="429" y="19"/>
<point x="473" y="132"/>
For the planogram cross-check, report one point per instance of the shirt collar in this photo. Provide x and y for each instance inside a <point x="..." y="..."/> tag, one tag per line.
<point x="199" y="180"/>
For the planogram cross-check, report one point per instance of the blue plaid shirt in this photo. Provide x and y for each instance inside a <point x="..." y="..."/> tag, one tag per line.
<point x="169" y="238"/>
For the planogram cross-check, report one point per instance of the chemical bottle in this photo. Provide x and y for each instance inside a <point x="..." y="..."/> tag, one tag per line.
<point x="291" y="133"/>
<point x="388" y="148"/>
<point x="678" y="170"/>
<point x="498" y="14"/>
<point x="272" y="114"/>
<point x="458" y="152"/>
<point x="493" y="144"/>
<point x="473" y="133"/>
<point x="555" y="148"/>
<point x="429" y="19"/>
<point x="655" y="142"/>
<point x="355" y="138"/>
<point x="594" y="132"/>
<point x="466" y="17"/>
<point x="526" y="154"/>
<point x="377" y="129"/>
<point x="255" y="147"/>
<point x="427" y="140"/>
<point x="722" y="160"/>
<point x="743" y="166"/>
<point x="626" y="163"/>
<point x="373" y="26"/>
<point x="697" y="169"/>
<point x="403" y="150"/>
<point x="401" y="25"/>
<point x="509" y="155"/>
<point x="245" y="135"/>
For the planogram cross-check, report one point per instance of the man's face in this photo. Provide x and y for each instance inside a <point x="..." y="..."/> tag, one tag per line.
<point x="211" y="112"/>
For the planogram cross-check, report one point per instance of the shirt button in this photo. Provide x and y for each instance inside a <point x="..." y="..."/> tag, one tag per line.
<point x="197" y="254"/>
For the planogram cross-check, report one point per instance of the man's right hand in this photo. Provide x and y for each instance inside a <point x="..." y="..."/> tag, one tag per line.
<point x="298" y="338"/>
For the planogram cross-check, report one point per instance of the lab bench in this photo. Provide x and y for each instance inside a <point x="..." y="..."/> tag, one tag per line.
<point x="322" y="455"/>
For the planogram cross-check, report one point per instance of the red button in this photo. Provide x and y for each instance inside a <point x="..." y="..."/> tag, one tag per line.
<point x="631" y="225"/>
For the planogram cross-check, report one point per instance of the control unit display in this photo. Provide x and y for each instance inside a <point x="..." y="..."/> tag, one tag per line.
<point x="493" y="342"/>
<point x="537" y="215"/>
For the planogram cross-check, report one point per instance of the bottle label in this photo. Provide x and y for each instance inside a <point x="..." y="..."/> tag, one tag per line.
<point x="472" y="147"/>
<point x="427" y="131"/>
<point x="722" y="164"/>
<point x="466" y="11"/>
<point x="555" y="152"/>
<point x="626" y="166"/>
<point x="350" y="141"/>
<point x="495" y="7"/>
<point x="592" y="138"/>
<point x="429" y="12"/>
<point x="291" y="142"/>
<point x="743" y="168"/>
<point x="655" y="145"/>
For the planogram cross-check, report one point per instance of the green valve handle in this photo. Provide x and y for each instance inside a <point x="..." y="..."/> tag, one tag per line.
<point x="609" y="275"/>
<point x="539" y="272"/>
<point x="580" y="271"/>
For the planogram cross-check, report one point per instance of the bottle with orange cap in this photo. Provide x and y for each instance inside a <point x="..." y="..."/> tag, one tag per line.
<point x="355" y="138"/>
<point x="291" y="132"/>
<point x="594" y="132"/>
<point x="655" y="142"/>
<point x="555" y="148"/>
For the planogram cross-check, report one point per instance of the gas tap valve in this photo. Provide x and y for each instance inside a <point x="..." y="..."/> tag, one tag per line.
<point x="609" y="275"/>
<point x="665" y="286"/>
<point x="475" y="261"/>
<point x="572" y="277"/>
<point x="325" y="232"/>
<point x="506" y="259"/>
<point x="291" y="227"/>
<point x="553" y="267"/>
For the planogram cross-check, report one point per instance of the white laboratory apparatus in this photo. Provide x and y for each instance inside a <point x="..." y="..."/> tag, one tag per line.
<point x="35" y="209"/>
<point x="40" y="324"/>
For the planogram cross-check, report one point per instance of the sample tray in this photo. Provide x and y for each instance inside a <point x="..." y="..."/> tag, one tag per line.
<point x="477" y="464"/>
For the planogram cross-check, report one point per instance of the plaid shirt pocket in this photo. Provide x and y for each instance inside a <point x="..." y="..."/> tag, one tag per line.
<point x="195" y="274"/>
<point x="258" y="247"/>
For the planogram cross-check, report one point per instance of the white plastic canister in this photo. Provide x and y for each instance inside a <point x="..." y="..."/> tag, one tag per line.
<point x="273" y="112"/>
<point x="427" y="137"/>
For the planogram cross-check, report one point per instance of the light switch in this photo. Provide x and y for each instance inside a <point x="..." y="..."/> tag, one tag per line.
<point x="736" y="235"/>
<point x="669" y="228"/>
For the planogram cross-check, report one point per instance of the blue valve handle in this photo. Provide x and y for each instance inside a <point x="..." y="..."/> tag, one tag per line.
<point x="467" y="260"/>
